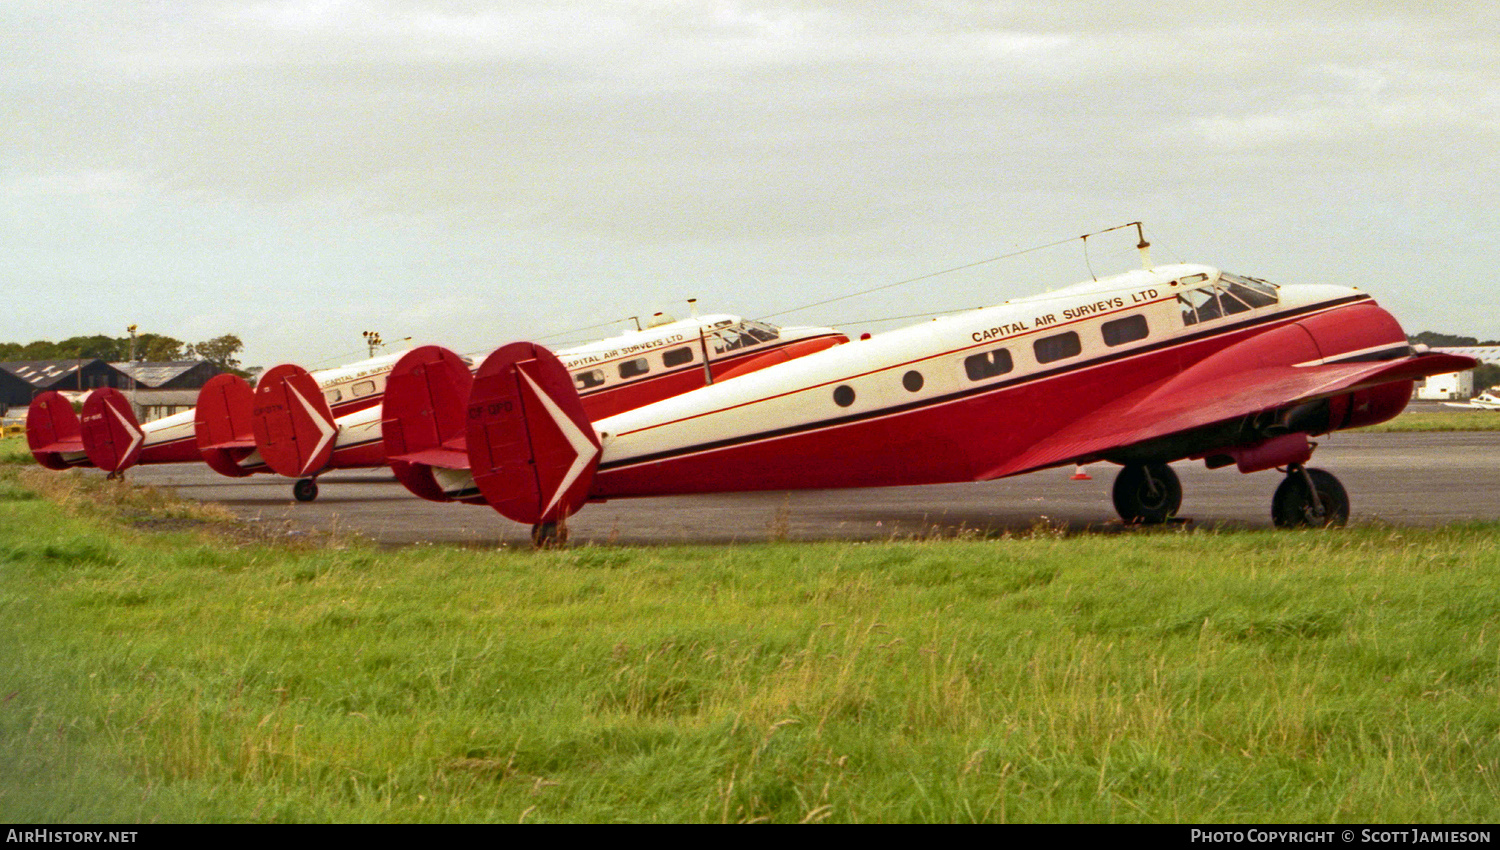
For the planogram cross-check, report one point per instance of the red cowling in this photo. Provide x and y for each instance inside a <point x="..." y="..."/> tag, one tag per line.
<point x="293" y="425"/>
<point x="531" y="448"/>
<point x="222" y="424"/>
<point x="784" y="354"/>
<point x="52" y="432"/>
<point x="111" y="435"/>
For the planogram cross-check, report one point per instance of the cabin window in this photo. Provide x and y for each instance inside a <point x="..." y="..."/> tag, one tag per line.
<point x="1121" y="331"/>
<point x="912" y="381"/>
<point x="676" y="356"/>
<point x="363" y="388"/>
<point x="1057" y="347"/>
<point x="333" y="396"/>
<point x="989" y="364"/>
<point x="632" y="368"/>
<point x="1198" y="305"/>
<point x="589" y="379"/>
<point x="843" y="395"/>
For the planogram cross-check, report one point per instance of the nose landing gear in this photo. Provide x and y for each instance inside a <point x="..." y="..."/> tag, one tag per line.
<point x="1309" y="498"/>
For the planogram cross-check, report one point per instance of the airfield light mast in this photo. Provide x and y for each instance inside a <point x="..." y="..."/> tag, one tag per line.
<point x="372" y="339"/>
<point x="134" y="407"/>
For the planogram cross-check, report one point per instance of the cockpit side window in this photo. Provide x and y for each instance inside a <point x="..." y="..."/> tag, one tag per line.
<point x="1256" y="293"/>
<point x="1229" y="295"/>
<point x="1198" y="305"/>
<point x="728" y="339"/>
<point x="762" y="331"/>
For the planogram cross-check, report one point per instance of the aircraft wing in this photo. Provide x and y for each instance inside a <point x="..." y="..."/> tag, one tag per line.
<point x="1189" y="400"/>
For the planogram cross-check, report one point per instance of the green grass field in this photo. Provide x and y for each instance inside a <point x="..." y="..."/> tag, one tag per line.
<point x="158" y="663"/>
<point x="1429" y="418"/>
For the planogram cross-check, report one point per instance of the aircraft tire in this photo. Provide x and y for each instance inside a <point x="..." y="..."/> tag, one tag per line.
<point x="1147" y="494"/>
<point x="548" y="535"/>
<point x="1292" y="506"/>
<point x="305" y="490"/>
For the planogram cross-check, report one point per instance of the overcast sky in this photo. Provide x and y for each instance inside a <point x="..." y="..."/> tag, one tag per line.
<point x="467" y="173"/>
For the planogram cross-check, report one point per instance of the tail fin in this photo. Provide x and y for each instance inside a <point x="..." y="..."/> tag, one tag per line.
<point x="52" y="432"/>
<point x="531" y="449"/>
<point x="292" y="423"/>
<point x="111" y="434"/>
<point x="426" y="401"/>
<point x="222" y="426"/>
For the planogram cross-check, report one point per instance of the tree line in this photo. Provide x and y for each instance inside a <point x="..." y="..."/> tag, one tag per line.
<point x="221" y="351"/>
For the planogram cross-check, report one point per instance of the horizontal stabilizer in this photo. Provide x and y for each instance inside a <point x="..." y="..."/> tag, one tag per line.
<point x="222" y="424"/>
<point x="52" y="432"/>
<point x="422" y="420"/>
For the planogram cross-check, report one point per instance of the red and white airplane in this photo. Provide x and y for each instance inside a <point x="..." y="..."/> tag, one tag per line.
<point x="217" y="431"/>
<point x="298" y="437"/>
<point x="1140" y="369"/>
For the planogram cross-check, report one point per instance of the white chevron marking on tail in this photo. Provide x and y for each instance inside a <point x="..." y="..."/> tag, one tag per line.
<point x="583" y="447"/>
<point x="136" y="436"/>
<point x="324" y="427"/>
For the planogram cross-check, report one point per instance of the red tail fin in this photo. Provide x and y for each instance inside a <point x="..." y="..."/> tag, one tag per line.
<point x="531" y="449"/>
<point x="52" y="432"/>
<point x="111" y="434"/>
<point x="222" y="426"/>
<point x="422" y="424"/>
<point x="292" y="422"/>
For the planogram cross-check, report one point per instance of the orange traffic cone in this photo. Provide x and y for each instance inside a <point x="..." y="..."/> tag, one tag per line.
<point x="1080" y="474"/>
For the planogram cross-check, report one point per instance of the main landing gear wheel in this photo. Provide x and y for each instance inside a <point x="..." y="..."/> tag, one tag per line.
<point x="549" y="535"/>
<point x="305" y="490"/>
<point x="1147" y="493"/>
<point x="1309" y="498"/>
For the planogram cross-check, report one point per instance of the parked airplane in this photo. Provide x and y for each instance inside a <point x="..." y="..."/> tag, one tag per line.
<point x="109" y="436"/>
<point x="1487" y="400"/>
<point x="1140" y="369"/>
<point x="299" y="438"/>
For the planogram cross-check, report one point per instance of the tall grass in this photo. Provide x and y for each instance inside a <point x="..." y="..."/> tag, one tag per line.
<point x="1259" y="676"/>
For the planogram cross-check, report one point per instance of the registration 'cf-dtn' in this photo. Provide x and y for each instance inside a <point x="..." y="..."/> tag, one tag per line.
<point x="1140" y="369"/>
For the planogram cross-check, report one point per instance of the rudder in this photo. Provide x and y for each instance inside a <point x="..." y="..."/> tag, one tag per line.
<point x="293" y="425"/>
<point x="531" y="448"/>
